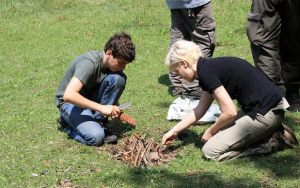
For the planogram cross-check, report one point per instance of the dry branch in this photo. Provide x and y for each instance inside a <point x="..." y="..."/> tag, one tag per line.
<point x="140" y="152"/>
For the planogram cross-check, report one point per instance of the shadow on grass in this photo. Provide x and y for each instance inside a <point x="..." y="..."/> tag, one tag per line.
<point x="151" y="177"/>
<point x="280" y="165"/>
<point x="190" y="137"/>
<point x="186" y="137"/>
<point x="164" y="80"/>
<point x="120" y="128"/>
<point x="274" y="168"/>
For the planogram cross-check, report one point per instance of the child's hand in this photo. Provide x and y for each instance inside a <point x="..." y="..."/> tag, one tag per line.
<point x="168" y="137"/>
<point x="110" y="111"/>
<point x="117" y="117"/>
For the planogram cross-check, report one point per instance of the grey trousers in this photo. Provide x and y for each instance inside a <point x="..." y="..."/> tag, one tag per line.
<point x="273" y="29"/>
<point x="201" y="30"/>
<point x="246" y="136"/>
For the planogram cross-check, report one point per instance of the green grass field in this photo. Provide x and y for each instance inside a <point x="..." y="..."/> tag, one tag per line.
<point x="39" y="38"/>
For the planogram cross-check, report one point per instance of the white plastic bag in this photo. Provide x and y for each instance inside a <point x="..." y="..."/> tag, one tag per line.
<point x="181" y="107"/>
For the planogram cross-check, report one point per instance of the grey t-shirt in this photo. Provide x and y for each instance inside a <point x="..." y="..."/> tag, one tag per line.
<point x="183" y="4"/>
<point x="88" y="68"/>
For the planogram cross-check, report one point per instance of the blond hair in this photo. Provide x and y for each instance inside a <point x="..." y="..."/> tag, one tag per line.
<point x="182" y="50"/>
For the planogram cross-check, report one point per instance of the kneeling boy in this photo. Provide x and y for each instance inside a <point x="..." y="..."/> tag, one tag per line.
<point x="90" y="89"/>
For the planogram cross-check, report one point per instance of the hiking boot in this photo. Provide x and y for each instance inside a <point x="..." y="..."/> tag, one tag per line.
<point x="292" y="96"/>
<point x="62" y="122"/>
<point x="289" y="134"/>
<point x="294" y="108"/>
<point x="110" y="138"/>
<point x="282" y="140"/>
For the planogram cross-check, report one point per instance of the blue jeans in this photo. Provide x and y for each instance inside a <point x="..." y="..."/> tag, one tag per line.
<point x="83" y="124"/>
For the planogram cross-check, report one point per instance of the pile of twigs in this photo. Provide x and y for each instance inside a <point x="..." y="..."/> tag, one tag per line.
<point x="137" y="151"/>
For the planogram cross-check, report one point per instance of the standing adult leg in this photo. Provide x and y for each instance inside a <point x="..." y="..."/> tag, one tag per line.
<point x="178" y="32"/>
<point x="290" y="51"/>
<point x="263" y="31"/>
<point x="201" y="30"/>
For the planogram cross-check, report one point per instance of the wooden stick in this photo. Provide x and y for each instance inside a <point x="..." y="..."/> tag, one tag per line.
<point x="137" y="156"/>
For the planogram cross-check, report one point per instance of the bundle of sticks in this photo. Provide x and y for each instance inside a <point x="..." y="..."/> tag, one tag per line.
<point x="137" y="151"/>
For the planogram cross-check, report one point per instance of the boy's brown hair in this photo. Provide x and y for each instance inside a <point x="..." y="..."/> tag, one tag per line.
<point x="121" y="46"/>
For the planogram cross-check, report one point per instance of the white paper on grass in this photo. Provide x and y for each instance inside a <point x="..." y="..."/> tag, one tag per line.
<point x="181" y="107"/>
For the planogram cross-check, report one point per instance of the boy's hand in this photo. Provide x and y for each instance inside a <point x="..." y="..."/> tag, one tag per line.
<point x="168" y="137"/>
<point x="110" y="111"/>
<point x="117" y="117"/>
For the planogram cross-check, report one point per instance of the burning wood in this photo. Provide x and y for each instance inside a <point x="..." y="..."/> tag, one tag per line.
<point x="137" y="151"/>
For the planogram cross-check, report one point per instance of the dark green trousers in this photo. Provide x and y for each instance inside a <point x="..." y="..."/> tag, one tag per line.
<point x="273" y="29"/>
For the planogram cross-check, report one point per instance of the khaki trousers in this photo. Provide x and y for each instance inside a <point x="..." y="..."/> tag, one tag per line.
<point x="200" y="30"/>
<point x="246" y="136"/>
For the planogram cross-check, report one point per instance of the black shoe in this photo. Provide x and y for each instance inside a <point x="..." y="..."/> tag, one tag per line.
<point x="292" y="97"/>
<point x="62" y="122"/>
<point x="110" y="138"/>
<point x="294" y="108"/>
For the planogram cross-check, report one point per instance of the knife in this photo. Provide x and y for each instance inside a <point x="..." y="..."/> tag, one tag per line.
<point x="125" y="105"/>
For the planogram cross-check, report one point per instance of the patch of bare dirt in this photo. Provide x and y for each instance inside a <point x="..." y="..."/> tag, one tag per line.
<point x="138" y="151"/>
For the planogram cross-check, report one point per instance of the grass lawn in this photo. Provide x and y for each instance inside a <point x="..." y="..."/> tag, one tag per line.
<point x="39" y="39"/>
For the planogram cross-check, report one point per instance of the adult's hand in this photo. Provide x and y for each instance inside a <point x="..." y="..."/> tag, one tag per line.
<point x="207" y="135"/>
<point x="168" y="137"/>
